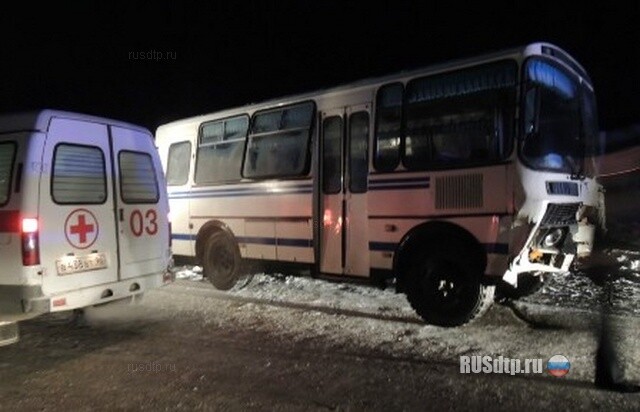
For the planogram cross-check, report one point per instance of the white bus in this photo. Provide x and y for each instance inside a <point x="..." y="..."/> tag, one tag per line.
<point x="83" y="214"/>
<point x="444" y="179"/>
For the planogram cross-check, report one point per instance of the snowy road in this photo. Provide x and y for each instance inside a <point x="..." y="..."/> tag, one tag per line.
<point x="293" y="343"/>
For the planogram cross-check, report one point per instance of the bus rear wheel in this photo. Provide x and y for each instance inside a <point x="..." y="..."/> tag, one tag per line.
<point x="221" y="260"/>
<point x="445" y="293"/>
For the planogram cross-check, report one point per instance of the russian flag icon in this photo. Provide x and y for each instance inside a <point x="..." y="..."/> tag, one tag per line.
<point x="558" y="365"/>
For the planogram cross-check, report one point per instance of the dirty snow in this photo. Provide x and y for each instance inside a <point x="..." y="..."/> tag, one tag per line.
<point x="369" y="319"/>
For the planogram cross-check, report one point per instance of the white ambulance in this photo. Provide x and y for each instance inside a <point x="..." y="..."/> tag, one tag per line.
<point x="83" y="213"/>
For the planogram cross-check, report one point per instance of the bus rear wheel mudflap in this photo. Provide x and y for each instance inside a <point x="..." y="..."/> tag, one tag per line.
<point x="221" y="260"/>
<point x="446" y="292"/>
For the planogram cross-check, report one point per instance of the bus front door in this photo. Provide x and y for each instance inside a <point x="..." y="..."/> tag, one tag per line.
<point x="344" y="243"/>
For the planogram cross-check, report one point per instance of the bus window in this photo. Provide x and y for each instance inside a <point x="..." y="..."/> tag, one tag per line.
<point x="555" y="142"/>
<point x="358" y="152"/>
<point x="138" y="182"/>
<point x="78" y="175"/>
<point x="7" y="153"/>
<point x="178" y="163"/>
<point x="458" y="118"/>
<point x="219" y="156"/>
<point x="278" y="142"/>
<point x="331" y="155"/>
<point x="388" y="127"/>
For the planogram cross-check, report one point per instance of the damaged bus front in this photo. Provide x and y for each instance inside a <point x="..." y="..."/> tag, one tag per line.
<point x="559" y="203"/>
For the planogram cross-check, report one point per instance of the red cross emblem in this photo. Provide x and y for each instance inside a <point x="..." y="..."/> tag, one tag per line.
<point x="81" y="228"/>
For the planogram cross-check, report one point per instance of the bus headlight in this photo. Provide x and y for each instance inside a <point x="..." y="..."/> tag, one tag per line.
<point x="553" y="237"/>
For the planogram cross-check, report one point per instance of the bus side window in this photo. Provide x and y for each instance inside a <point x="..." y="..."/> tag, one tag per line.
<point x="178" y="163"/>
<point x="456" y="119"/>
<point x="331" y="155"/>
<point x="278" y="142"/>
<point x="220" y="150"/>
<point x="358" y="152"/>
<point x="388" y="127"/>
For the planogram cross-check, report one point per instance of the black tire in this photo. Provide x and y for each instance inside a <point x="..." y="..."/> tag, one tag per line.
<point x="446" y="293"/>
<point x="221" y="260"/>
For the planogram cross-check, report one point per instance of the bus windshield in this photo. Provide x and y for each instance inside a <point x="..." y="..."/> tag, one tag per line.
<point x="559" y="119"/>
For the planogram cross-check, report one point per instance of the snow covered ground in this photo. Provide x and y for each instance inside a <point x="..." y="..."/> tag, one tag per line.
<point x="291" y="343"/>
<point x="566" y="312"/>
<point x="568" y="290"/>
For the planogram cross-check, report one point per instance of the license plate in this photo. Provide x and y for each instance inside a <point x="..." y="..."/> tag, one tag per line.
<point x="74" y="264"/>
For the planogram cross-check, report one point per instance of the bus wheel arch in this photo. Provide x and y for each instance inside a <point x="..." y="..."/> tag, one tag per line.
<point x="440" y="268"/>
<point x="205" y="232"/>
<point x="219" y="253"/>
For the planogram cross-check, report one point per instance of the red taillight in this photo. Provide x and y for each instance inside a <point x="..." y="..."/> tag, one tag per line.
<point x="30" y="245"/>
<point x="29" y="225"/>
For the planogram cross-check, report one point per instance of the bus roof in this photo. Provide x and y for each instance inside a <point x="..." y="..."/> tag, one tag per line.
<point x="39" y="120"/>
<point x="531" y="49"/>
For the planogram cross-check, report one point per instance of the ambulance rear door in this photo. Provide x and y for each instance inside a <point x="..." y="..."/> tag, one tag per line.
<point x="76" y="222"/>
<point x="142" y="204"/>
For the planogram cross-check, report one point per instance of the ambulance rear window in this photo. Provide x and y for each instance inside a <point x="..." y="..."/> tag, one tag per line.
<point x="138" y="179"/>
<point x="7" y="155"/>
<point x="78" y="175"/>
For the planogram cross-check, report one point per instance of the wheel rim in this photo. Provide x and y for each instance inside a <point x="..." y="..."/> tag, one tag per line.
<point x="446" y="288"/>
<point x="223" y="262"/>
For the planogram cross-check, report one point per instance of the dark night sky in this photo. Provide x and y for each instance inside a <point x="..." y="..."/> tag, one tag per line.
<point x="76" y="57"/>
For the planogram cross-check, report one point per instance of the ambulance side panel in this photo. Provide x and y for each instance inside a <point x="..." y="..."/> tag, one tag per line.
<point x="21" y="201"/>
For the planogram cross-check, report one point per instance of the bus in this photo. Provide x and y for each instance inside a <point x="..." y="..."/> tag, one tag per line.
<point x="445" y="181"/>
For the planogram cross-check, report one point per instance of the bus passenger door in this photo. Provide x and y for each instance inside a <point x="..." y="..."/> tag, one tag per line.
<point x="343" y="186"/>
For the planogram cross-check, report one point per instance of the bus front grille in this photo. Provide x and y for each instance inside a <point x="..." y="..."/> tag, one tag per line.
<point x="560" y="214"/>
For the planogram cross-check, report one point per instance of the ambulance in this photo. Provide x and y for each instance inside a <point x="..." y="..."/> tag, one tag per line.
<point x="84" y="216"/>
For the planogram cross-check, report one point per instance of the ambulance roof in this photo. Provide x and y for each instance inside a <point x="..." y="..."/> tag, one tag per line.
<point x="41" y="119"/>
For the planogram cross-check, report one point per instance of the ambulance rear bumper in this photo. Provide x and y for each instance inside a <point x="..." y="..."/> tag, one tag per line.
<point x="20" y="302"/>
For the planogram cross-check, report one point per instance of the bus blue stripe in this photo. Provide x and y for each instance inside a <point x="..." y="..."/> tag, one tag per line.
<point x="399" y="187"/>
<point x="399" y="183"/>
<point x="400" y="180"/>
<point x="382" y="246"/>
<point x="210" y="194"/>
<point x="182" y="236"/>
<point x="496" y="248"/>
<point x="255" y="240"/>
<point x="374" y="185"/>
<point x="295" y="242"/>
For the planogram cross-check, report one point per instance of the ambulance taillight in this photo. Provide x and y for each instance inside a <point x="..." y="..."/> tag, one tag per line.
<point x="30" y="242"/>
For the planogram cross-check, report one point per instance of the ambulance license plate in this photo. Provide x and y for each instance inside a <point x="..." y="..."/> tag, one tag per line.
<point x="74" y="264"/>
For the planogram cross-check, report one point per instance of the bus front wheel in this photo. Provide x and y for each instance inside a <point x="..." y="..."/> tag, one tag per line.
<point x="221" y="260"/>
<point x="446" y="293"/>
